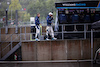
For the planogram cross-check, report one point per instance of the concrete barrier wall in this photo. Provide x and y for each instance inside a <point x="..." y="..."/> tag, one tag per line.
<point x="29" y="51"/>
<point x="49" y="50"/>
<point x="58" y="50"/>
<point x="55" y="50"/>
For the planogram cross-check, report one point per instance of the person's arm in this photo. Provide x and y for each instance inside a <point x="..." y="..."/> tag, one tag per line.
<point x="50" y="19"/>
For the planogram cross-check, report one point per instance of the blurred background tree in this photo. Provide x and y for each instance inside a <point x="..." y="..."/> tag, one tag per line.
<point x="32" y="7"/>
<point x="15" y="5"/>
<point x="26" y="17"/>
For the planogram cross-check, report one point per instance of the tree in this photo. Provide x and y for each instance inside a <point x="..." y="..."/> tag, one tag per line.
<point x="3" y="6"/>
<point x="15" y="5"/>
<point x="26" y="17"/>
<point x="25" y="3"/>
<point x="41" y="6"/>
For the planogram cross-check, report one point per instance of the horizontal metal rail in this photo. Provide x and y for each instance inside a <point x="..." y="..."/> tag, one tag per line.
<point x="54" y="61"/>
<point x="52" y="25"/>
<point x="85" y="31"/>
<point x="7" y="38"/>
<point x="9" y="44"/>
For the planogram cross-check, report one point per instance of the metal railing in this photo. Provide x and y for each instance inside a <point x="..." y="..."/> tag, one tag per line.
<point x="62" y="32"/>
<point x="84" y="31"/>
<point x="10" y="41"/>
<point x="10" y="44"/>
<point x="27" y="36"/>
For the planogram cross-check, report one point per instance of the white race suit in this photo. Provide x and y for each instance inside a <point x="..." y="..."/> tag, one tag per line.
<point x="37" y="31"/>
<point x="49" y="30"/>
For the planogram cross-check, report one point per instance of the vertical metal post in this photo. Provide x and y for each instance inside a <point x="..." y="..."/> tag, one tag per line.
<point x="62" y="33"/>
<point x="0" y="41"/>
<point x="91" y="46"/>
<point x="84" y="31"/>
<point x="25" y="32"/>
<point x="11" y="14"/>
<point x="20" y="37"/>
<point x="0" y="45"/>
<point x="20" y="34"/>
<point x="11" y="42"/>
<point x="0" y="34"/>
<point x="6" y="28"/>
<point x="16" y="31"/>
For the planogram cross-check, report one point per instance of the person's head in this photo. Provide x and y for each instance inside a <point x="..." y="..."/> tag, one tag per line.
<point x="50" y="14"/>
<point x="38" y="14"/>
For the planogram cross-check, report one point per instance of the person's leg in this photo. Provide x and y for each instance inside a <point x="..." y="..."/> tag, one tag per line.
<point x="47" y="32"/>
<point x="37" y="32"/>
<point x="52" y="33"/>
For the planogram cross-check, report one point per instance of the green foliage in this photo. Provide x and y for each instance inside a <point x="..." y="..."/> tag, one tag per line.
<point x="26" y="17"/>
<point x="15" y="5"/>
<point x="32" y="8"/>
<point x="21" y="15"/>
<point x="25" y="3"/>
<point x="3" y="6"/>
<point x="41" y="6"/>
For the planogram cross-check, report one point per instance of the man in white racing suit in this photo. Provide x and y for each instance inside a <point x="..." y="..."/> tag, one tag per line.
<point x="49" y="29"/>
<point x="37" y="26"/>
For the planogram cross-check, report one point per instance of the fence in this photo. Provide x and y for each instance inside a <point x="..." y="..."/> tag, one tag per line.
<point x="65" y="31"/>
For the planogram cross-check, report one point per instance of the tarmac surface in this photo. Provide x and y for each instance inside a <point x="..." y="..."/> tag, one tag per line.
<point x="50" y="64"/>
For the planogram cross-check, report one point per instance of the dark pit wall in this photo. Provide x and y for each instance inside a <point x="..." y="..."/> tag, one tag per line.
<point x="18" y="53"/>
<point x="75" y="16"/>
